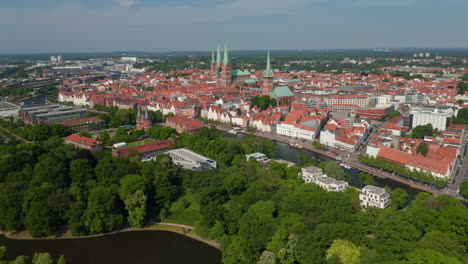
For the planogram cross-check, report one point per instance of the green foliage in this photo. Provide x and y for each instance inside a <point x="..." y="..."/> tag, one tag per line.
<point x="253" y="144"/>
<point x="42" y="258"/>
<point x="319" y="145"/>
<point x="422" y="131"/>
<point x="462" y="87"/>
<point x="347" y="252"/>
<point x="161" y="133"/>
<point x="442" y="243"/>
<point x="103" y="213"/>
<point x="21" y="260"/>
<point x="464" y="188"/>
<point x="463" y="114"/>
<point x="423" y="255"/>
<point x="258" y="214"/>
<point x="402" y="171"/>
<point x="366" y="179"/>
<point x="393" y="115"/>
<point x="333" y="170"/>
<point x="422" y="148"/>
<point x="399" y="198"/>
<point x="136" y="207"/>
<point x="2" y="252"/>
<point x="61" y="260"/>
<point x="263" y="101"/>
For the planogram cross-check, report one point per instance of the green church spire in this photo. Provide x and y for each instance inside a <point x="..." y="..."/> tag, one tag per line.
<point x="218" y="56"/>
<point x="226" y="55"/>
<point x="212" y="57"/>
<point x="268" y="72"/>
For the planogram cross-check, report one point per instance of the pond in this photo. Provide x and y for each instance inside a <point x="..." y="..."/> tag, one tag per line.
<point x="142" y="247"/>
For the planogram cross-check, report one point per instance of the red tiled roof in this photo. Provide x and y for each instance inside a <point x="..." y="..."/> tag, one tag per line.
<point x="83" y="140"/>
<point x="124" y="152"/>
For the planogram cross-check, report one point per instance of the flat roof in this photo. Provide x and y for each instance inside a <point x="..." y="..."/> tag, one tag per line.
<point x="61" y="113"/>
<point x="186" y="153"/>
<point x="374" y="189"/>
<point x="7" y="105"/>
<point x="312" y="169"/>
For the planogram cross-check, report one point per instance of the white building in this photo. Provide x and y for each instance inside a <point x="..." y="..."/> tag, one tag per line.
<point x="328" y="138"/>
<point x="191" y="160"/>
<point x="439" y="117"/>
<point x="307" y="131"/>
<point x="332" y="185"/>
<point x="315" y="175"/>
<point x="260" y="157"/>
<point x="373" y="196"/>
<point x="311" y="174"/>
<point x="129" y="59"/>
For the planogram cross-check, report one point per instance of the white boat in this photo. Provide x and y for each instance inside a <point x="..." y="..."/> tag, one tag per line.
<point x="232" y="132"/>
<point x="295" y="145"/>
<point x="344" y="165"/>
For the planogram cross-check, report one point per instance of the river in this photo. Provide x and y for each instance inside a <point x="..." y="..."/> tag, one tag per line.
<point x="139" y="247"/>
<point x="289" y="153"/>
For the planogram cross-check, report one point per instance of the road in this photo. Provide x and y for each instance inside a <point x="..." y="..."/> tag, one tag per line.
<point x="457" y="178"/>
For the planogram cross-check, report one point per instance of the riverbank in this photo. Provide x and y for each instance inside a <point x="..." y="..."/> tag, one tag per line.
<point x="184" y="230"/>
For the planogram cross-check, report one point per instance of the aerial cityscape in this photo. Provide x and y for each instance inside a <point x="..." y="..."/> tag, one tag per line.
<point x="265" y="143"/>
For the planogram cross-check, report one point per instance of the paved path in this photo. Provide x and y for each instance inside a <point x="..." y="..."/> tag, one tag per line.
<point x="16" y="136"/>
<point x="177" y="225"/>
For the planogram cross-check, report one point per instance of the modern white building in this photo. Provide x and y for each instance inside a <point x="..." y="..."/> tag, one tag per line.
<point x="191" y="160"/>
<point x="332" y="185"/>
<point x="260" y="157"/>
<point x="315" y="175"/>
<point x="439" y="117"/>
<point x="373" y="196"/>
<point x="312" y="174"/>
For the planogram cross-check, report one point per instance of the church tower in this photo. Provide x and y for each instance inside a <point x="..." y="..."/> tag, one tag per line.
<point x="267" y="78"/>
<point x="143" y="121"/>
<point x="218" y="62"/>
<point x="213" y="64"/>
<point x="225" y="79"/>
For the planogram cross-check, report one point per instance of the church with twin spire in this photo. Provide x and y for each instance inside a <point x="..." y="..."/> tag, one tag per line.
<point x="226" y="77"/>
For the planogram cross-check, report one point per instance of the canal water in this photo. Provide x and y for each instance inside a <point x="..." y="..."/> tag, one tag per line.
<point x="139" y="247"/>
<point x="286" y="152"/>
<point x="38" y="100"/>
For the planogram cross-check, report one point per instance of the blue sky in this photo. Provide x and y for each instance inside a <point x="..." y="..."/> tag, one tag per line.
<point x="28" y="26"/>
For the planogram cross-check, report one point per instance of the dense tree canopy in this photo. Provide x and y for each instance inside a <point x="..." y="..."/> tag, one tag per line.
<point x="259" y="214"/>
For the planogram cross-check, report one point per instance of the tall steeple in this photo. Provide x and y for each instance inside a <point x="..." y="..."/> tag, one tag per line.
<point x="225" y="77"/>
<point x="218" y="57"/>
<point x="226" y="55"/>
<point x="267" y="78"/>
<point x="213" y="64"/>
<point x="268" y="72"/>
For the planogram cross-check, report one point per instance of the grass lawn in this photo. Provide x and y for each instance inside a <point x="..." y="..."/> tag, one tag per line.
<point x="138" y="143"/>
<point x="184" y="216"/>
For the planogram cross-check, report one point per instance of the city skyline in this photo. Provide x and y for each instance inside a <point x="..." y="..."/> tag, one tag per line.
<point x="140" y="25"/>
